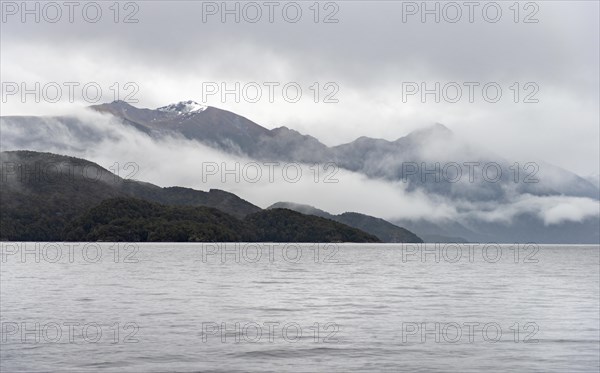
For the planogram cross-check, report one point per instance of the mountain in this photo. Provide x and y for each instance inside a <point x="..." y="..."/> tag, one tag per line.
<point x="50" y="197"/>
<point x="523" y="228"/>
<point x="221" y="129"/>
<point x="439" y="162"/>
<point x="384" y="230"/>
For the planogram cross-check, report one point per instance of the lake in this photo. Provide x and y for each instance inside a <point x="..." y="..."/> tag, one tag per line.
<point x="299" y="307"/>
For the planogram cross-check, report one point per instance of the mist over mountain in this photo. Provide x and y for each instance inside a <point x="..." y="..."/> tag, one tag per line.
<point x="455" y="189"/>
<point x="437" y="147"/>
<point x="433" y="158"/>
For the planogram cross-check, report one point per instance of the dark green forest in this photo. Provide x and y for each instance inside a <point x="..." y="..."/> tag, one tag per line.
<point x="49" y="197"/>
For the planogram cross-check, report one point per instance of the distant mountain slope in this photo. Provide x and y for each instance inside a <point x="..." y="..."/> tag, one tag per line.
<point x="448" y="232"/>
<point x="384" y="230"/>
<point x="283" y="225"/>
<point x="524" y="228"/>
<point x="49" y="197"/>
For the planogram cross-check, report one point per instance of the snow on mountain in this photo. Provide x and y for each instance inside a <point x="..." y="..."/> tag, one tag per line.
<point x="184" y="107"/>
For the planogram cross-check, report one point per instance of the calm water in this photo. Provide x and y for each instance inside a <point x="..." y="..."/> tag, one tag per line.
<point x="332" y="308"/>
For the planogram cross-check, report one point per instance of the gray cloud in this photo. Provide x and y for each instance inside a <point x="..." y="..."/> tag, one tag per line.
<point x="368" y="54"/>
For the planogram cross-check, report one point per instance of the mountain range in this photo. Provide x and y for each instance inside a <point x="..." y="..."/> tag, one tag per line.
<point x="426" y="161"/>
<point x="375" y="158"/>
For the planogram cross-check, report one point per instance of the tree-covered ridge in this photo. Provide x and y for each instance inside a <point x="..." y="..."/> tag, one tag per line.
<point x="40" y="193"/>
<point x="283" y="225"/>
<point x="128" y="219"/>
<point x="49" y="197"/>
<point x="134" y="220"/>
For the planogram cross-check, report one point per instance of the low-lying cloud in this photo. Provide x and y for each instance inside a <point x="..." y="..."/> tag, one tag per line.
<point x="175" y="161"/>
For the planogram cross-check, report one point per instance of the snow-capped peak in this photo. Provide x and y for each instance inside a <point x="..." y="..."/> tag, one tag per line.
<point x="184" y="107"/>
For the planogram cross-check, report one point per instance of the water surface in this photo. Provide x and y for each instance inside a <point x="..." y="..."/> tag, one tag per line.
<point x="299" y="308"/>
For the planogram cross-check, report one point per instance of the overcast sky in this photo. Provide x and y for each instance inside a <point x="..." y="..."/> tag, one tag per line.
<point x="368" y="55"/>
